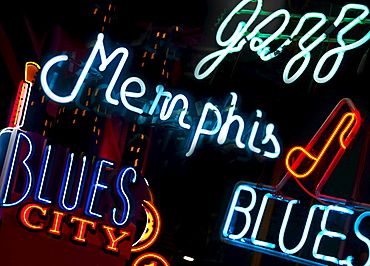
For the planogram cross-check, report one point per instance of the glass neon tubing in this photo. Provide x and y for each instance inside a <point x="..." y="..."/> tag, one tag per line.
<point x="94" y="187"/>
<point x="150" y="208"/>
<point x="65" y="182"/>
<point x="42" y="173"/>
<point x="127" y="208"/>
<point x="208" y="106"/>
<point x="261" y="47"/>
<point x="29" y="172"/>
<point x="305" y="230"/>
<point x="258" y="223"/>
<point x="331" y="234"/>
<point x="124" y="93"/>
<point x="98" y="48"/>
<point x="245" y="210"/>
<point x="166" y="115"/>
<point x="305" y="51"/>
<point x="343" y="47"/>
<point x="317" y="158"/>
<point x="231" y="42"/>
<point x="361" y="236"/>
<point x="230" y="119"/>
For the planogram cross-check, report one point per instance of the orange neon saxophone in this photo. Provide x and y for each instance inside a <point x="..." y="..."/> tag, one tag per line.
<point x="301" y="162"/>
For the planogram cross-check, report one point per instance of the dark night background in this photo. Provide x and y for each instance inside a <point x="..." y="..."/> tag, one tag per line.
<point x="191" y="193"/>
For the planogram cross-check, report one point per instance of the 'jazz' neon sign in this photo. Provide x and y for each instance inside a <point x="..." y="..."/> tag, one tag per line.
<point x="244" y="34"/>
<point x="261" y="140"/>
<point x="342" y="222"/>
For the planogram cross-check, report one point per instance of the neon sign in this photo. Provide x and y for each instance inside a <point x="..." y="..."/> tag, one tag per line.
<point x="336" y="221"/>
<point x="152" y="259"/>
<point x="210" y="122"/>
<point x="81" y="176"/>
<point x="82" y="226"/>
<point x="244" y="34"/>
<point x="22" y="160"/>
<point x="21" y="102"/>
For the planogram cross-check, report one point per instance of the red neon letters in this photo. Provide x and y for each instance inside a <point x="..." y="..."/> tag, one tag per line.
<point x="56" y="225"/>
<point x="113" y="240"/>
<point x="26" y="213"/>
<point x="82" y="226"/>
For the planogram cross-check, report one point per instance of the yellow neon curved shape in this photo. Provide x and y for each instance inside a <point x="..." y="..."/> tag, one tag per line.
<point x="152" y="228"/>
<point x="151" y="255"/>
<point x="316" y="159"/>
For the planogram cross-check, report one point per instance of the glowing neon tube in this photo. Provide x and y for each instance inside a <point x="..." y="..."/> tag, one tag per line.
<point x="316" y="158"/>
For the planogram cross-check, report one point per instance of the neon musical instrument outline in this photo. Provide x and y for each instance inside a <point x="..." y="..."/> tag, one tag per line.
<point x="343" y="143"/>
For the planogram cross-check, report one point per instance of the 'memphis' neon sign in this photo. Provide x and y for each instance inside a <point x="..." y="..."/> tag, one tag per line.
<point x="243" y="34"/>
<point x="293" y="237"/>
<point x="261" y="139"/>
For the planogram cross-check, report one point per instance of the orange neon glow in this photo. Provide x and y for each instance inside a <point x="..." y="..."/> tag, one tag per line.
<point x="31" y="70"/>
<point x="149" y="256"/>
<point x="55" y="229"/>
<point x="151" y="264"/>
<point x="26" y="213"/>
<point x="316" y="159"/>
<point x="113" y="240"/>
<point x="152" y="228"/>
<point x="81" y="229"/>
<point x="149" y="226"/>
<point x="20" y="103"/>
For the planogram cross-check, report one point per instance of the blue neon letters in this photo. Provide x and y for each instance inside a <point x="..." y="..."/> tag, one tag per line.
<point x="242" y="228"/>
<point x="73" y="180"/>
<point x="268" y="143"/>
